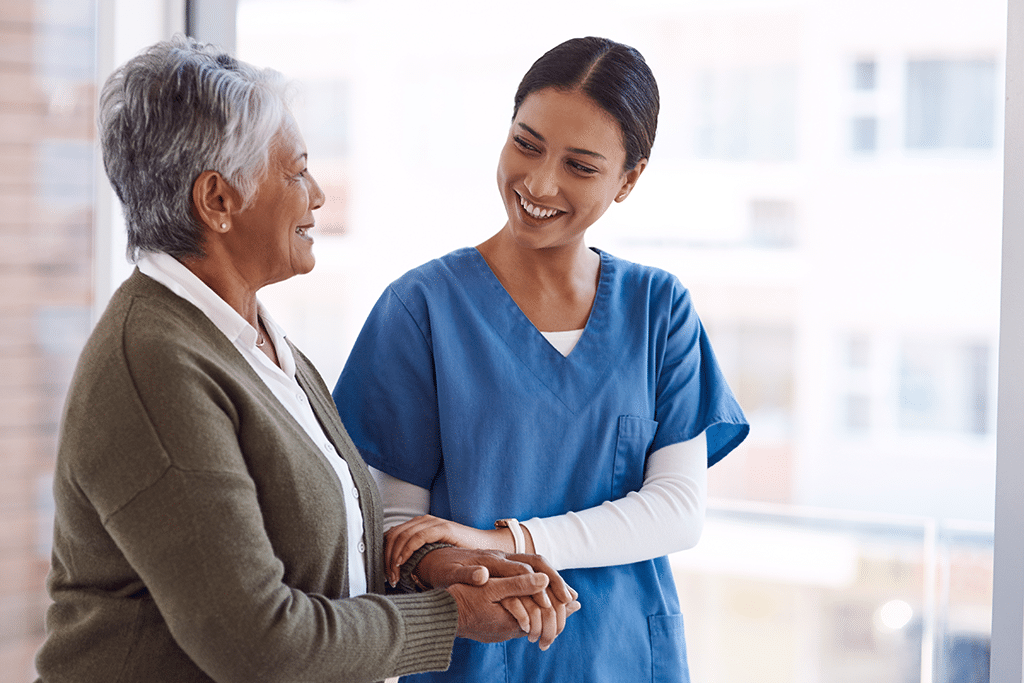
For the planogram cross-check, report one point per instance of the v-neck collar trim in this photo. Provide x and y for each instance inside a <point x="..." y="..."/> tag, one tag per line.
<point x="573" y="379"/>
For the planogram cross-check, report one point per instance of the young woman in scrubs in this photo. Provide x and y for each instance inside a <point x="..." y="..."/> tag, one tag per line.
<point x="535" y="394"/>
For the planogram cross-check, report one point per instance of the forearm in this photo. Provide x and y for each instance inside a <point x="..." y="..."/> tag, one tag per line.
<point x="666" y="515"/>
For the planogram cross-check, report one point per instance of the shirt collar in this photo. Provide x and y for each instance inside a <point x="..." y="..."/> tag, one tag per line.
<point x="172" y="274"/>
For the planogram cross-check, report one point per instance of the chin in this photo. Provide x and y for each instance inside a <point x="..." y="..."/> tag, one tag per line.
<point x="304" y="266"/>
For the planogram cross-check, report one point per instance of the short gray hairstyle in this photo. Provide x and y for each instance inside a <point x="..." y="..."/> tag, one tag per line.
<point x="175" y="110"/>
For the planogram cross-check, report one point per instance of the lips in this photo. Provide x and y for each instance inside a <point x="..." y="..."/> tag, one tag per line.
<point x="302" y="230"/>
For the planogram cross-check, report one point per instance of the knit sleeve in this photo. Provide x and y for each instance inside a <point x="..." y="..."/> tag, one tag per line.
<point x="195" y="539"/>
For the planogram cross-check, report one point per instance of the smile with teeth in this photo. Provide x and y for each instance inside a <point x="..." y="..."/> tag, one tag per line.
<point x="535" y="211"/>
<point x="301" y="230"/>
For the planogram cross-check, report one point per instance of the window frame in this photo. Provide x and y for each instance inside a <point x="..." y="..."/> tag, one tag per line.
<point x="1007" y="654"/>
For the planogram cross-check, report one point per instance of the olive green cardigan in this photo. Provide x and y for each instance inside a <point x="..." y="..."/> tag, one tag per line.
<point x="200" y="534"/>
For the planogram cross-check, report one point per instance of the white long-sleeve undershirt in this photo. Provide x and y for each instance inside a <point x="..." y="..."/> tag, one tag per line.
<point x="666" y="515"/>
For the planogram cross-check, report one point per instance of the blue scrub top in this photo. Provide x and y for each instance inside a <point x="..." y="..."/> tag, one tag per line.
<point x="452" y="388"/>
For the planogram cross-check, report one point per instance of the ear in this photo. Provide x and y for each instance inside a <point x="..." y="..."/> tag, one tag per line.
<point x="629" y="179"/>
<point x="214" y="201"/>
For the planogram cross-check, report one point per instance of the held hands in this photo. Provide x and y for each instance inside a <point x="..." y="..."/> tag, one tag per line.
<point x="518" y="594"/>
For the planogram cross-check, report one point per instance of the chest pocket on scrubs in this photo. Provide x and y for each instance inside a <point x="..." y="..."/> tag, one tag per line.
<point x="635" y="436"/>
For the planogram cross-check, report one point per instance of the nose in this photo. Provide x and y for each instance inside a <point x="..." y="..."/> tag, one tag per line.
<point x="542" y="180"/>
<point x="316" y="194"/>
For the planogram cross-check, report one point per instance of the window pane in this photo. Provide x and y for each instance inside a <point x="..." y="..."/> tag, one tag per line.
<point x="951" y="104"/>
<point x="865" y="134"/>
<point x="864" y="75"/>
<point x="945" y="387"/>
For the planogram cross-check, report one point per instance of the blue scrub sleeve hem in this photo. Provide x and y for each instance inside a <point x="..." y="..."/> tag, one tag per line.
<point x="723" y="437"/>
<point x="405" y="474"/>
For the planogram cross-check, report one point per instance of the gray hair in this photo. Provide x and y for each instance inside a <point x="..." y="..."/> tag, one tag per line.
<point x="175" y="110"/>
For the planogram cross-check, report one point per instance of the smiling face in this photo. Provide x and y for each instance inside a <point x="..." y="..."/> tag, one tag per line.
<point x="561" y="168"/>
<point x="273" y="231"/>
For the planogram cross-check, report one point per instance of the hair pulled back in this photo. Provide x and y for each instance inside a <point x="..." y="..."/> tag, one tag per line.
<point x="614" y="75"/>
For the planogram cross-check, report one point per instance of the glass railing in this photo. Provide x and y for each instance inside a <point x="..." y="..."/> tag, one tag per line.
<point x="777" y="594"/>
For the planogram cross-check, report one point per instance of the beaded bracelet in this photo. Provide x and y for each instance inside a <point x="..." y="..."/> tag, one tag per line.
<point x="408" y="578"/>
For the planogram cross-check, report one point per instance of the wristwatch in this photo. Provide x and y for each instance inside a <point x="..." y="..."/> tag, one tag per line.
<point x="517" y="533"/>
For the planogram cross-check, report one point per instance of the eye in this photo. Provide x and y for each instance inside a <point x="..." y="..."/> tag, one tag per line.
<point x="582" y="169"/>
<point x="523" y="144"/>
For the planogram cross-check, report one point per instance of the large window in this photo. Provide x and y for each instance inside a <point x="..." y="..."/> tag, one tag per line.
<point x="827" y="181"/>
<point x="832" y="199"/>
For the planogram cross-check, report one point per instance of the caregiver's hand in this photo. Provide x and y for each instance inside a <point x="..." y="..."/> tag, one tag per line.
<point x="402" y="540"/>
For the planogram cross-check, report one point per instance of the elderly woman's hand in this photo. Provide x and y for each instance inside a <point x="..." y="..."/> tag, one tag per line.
<point x="539" y="607"/>
<point x="402" y="540"/>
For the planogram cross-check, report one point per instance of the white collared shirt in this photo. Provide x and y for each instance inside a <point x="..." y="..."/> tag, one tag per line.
<point x="169" y="272"/>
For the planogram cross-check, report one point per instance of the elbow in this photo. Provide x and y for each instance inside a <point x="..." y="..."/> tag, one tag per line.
<point x="688" y="534"/>
<point x="687" y="507"/>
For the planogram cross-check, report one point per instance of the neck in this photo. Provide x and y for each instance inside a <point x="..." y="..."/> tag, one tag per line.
<point x="568" y="267"/>
<point x="229" y="285"/>
<point x="554" y="287"/>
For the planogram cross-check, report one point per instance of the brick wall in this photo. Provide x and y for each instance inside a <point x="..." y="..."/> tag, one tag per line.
<point x="47" y="99"/>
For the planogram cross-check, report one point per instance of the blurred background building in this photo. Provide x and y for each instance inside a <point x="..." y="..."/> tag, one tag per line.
<point x="827" y="180"/>
<point x="47" y="104"/>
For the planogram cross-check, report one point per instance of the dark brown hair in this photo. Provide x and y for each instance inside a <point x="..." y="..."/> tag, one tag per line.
<point x="614" y="75"/>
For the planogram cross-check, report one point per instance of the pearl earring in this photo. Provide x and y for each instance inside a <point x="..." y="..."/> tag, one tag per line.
<point x="223" y="226"/>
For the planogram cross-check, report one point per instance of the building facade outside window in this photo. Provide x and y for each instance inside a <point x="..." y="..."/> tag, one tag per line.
<point x="47" y="105"/>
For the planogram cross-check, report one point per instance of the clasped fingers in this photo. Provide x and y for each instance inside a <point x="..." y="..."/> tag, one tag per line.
<point x="559" y="590"/>
<point x="540" y="624"/>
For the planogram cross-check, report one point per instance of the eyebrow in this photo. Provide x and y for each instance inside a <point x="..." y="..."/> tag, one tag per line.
<point x="574" y="150"/>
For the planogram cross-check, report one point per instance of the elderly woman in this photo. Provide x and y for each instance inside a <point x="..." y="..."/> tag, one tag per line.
<point x="213" y="520"/>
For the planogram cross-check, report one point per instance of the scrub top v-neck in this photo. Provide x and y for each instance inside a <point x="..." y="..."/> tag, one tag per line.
<point x="452" y="388"/>
<point x="573" y="379"/>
